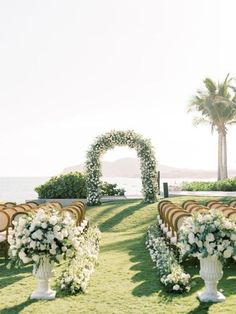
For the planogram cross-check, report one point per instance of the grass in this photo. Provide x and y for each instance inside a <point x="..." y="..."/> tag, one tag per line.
<point x="125" y="280"/>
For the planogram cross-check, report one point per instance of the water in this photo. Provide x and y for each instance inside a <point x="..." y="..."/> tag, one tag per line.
<point x="19" y="189"/>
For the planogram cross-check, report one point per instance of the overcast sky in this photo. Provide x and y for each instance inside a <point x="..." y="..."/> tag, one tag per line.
<point x="72" y="70"/>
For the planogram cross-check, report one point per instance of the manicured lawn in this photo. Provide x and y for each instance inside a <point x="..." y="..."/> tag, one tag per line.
<point x="125" y="280"/>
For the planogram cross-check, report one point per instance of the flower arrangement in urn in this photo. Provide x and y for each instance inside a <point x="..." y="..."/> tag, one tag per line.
<point x="211" y="238"/>
<point x="44" y="238"/>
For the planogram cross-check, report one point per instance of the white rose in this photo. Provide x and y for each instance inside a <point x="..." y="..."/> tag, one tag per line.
<point x="191" y="238"/>
<point x="202" y="228"/>
<point x="64" y="249"/>
<point x="199" y="243"/>
<point x="42" y="247"/>
<point x="210" y="237"/>
<point x="228" y="252"/>
<point x="56" y="228"/>
<point x="44" y="225"/>
<point x="176" y="287"/>
<point x="13" y="252"/>
<point x="53" y="220"/>
<point x="233" y="237"/>
<point x="59" y="257"/>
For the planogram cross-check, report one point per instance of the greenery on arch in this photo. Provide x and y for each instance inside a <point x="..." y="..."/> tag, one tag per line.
<point x="121" y="138"/>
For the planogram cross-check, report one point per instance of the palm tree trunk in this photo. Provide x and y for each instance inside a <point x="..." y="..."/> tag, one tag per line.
<point x="220" y="155"/>
<point x="224" y="152"/>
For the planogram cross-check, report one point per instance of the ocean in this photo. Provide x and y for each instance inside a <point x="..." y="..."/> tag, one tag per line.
<point x="19" y="189"/>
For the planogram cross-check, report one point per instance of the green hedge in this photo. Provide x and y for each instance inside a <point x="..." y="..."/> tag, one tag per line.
<point x="222" y="185"/>
<point x="73" y="185"/>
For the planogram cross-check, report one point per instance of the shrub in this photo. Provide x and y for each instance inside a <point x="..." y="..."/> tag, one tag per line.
<point x="222" y="185"/>
<point x="110" y="189"/>
<point x="71" y="185"/>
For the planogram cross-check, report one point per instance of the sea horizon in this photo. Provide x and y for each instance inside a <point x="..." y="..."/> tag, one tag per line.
<point x="21" y="188"/>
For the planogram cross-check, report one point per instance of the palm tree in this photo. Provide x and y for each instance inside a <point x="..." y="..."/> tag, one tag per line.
<point x="217" y="106"/>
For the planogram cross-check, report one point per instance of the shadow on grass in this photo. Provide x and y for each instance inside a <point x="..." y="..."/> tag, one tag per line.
<point x="17" y="308"/>
<point x="101" y="213"/>
<point x="143" y="266"/>
<point x="119" y="217"/>
<point x="10" y="276"/>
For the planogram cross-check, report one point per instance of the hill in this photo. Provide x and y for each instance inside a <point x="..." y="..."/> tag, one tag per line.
<point x="130" y="168"/>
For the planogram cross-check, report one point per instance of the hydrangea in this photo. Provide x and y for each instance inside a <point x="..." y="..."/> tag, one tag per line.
<point x="43" y="233"/>
<point x="208" y="234"/>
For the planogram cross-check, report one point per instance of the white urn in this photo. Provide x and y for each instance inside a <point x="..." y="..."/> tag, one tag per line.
<point x="43" y="273"/>
<point x="211" y="272"/>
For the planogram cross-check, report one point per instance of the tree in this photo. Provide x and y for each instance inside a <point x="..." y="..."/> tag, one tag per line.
<point x="217" y="106"/>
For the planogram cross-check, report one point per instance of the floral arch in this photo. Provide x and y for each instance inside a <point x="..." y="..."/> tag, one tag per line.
<point x="121" y="138"/>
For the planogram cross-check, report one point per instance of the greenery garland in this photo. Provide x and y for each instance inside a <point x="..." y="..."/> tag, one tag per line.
<point x="121" y="138"/>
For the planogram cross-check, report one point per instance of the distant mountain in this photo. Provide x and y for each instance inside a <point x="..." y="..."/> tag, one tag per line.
<point x="130" y="168"/>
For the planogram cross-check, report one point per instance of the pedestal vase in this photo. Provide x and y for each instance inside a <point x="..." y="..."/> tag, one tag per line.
<point x="211" y="272"/>
<point x="43" y="272"/>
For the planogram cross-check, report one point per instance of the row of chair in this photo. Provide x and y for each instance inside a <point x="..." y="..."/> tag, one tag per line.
<point x="171" y="216"/>
<point x="12" y="213"/>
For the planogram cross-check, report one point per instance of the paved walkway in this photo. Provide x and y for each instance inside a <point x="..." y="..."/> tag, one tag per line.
<point x="202" y="193"/>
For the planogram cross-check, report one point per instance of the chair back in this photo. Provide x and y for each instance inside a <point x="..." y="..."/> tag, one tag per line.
<point x="4" y="221"/>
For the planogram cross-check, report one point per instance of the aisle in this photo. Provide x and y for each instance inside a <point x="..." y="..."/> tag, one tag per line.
<point x="125" y="280"/>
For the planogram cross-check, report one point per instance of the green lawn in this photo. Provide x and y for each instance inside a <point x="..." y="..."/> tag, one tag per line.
<point x="125" y="280"/>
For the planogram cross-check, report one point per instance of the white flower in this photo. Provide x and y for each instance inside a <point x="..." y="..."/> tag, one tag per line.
<point x="233" y="237"/>
<point x="38" y="234"/>
<point x="191" y="238"/>
<point x="176" y="287"/>
<point x="210" y="237"/>
<point x="44" y="225"/>
<point x="228" y="252"/>
<point x="53" y="220"/>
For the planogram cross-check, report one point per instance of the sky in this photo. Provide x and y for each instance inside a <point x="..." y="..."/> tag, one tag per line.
<point x="73" y="70"/>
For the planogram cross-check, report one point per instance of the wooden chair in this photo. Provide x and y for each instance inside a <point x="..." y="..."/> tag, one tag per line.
<point x="228" y="211"/>
<point x="10" y="204"/>
<point x="198" y="209"/>
<point x="4" y="227"/>
<point x="214" y="205"/>
<point x="232" y="216"/>
<point x="26" y="207"/>
<point x="232" y="203"/>
<point x="71" y="212"/>
<point x="16" y="216"/>
<point x="10" y="211"/>
<point x="32" y="204"/>
<point x="163" y="210"/>
<point x="178" y="220"/>
<point x="19" y="208"/>
<point x="186" y="203"/>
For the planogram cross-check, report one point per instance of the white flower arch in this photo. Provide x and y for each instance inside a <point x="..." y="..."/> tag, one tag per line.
<point x="121" y="138"/>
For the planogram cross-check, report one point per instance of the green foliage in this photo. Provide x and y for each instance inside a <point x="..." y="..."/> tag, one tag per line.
<point x="71" y="185"/>
<point x="222" y="185"/>
<point x="109" y="189"/>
